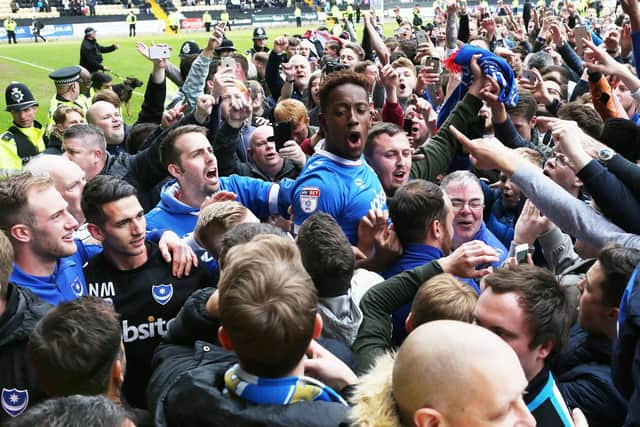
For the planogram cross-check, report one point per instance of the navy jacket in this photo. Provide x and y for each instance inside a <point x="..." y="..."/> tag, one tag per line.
<point x="583" y="375"/>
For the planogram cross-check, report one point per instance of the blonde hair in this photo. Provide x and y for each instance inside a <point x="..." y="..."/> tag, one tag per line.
<point x="219" y="216"/>
<point x="443" y="297"/>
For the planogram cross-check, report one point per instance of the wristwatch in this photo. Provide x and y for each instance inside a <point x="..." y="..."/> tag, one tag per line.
<point x="605" y="155"/>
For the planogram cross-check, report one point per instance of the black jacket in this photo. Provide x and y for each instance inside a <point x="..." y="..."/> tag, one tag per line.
<point x="22" y="312"/>
<point x="91" y="54"/>
<point x="583" y="375"/>
<point x="187" y="384"/>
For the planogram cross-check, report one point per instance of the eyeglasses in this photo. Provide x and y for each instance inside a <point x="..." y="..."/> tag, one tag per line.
<point x="474" y="204"/>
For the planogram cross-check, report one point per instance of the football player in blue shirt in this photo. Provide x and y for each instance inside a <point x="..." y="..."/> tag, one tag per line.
<point x="337" y="180"/>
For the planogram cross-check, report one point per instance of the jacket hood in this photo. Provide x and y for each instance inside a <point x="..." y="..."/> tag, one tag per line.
<point x="341" y="318"/>
<point x="373" y="404"/>
<point x="169" y="201"/>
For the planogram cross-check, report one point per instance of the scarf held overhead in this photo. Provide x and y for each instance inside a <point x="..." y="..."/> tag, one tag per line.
<point x="491" y="65"/>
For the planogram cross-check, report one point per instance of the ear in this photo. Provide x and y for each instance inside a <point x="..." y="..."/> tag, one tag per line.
<point x="95" y="232"/>
<point x="317" y="327"/>
<point x="408" y="323"/>
<point x="612" y="313"/>
<point x="21" y="233"/>
<point x="427" y="417"/>
<point x="533" y="121"/>
<point x="435" y="229"/>
<point x="174" y="170"/>
<point x="578" y="183"/>
<point x="544" y="350"/>
<point x="224" y="339"/>
<point x="117" y="373"/>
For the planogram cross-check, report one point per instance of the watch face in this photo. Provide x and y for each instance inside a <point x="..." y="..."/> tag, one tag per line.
<point x="605" y="154"/>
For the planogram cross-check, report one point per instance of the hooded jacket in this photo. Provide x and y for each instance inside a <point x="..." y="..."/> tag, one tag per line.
<point x="341" y="318"/>
<point x="260" y="197"/>
<point x="22" y="312"/>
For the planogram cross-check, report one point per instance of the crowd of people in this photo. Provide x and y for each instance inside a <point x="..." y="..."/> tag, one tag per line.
<point x="429" y="229"/>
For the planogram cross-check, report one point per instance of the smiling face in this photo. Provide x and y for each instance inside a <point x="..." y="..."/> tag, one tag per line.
<point x="468" y="203"/>
<point x="391" y="160"/>
<point x="346" y="121"/>
<point x="53" y="225"/>
<point x="106" y="116"/>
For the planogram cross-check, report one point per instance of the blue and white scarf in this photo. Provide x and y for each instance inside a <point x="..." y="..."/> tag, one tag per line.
<point x="277" y="391"/>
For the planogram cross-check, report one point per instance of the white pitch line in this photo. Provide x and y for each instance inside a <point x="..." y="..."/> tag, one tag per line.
<point x="40" y="67"/>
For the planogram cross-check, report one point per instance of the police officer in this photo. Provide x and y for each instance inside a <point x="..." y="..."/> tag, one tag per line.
<point x="10" y="25"/>
<point x="206" y="18"/>
<point x="67" y="81"/>
<point x="189" y="48"/>
<point x="259" y="41"/>
<point x="26" y="137"/>
<point x="131" y="20"/>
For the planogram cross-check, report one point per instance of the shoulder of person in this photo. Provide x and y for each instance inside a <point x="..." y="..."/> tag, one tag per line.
<point x="7" y="136"/>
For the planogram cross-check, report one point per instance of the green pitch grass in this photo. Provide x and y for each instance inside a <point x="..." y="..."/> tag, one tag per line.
<point x="31" y="63"/>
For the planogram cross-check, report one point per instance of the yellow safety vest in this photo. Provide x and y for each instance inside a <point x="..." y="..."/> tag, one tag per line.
<point x="10" y="24"/>
<point x="10" y="161"/>
<point x="131" y="19"/>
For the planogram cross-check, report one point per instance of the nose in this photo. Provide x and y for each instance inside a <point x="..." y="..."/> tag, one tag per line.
<point x="71" y="223"/>
<point x="136" y="226"/>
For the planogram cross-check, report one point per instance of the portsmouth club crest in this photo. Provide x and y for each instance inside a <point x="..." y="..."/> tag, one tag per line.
<point x="76" y="287"/>
<point x="14" y="401"/>
<point x="309" y="199"/>
<point x="162" y="293"/>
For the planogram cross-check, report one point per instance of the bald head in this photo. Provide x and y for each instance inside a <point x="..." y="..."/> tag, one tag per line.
<point x="68" y="178"/>
<point x="440" y="359"/>
<point x="261" y="133"/>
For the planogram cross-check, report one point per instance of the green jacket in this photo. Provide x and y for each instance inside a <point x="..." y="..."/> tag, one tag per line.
<point x="440" y="150"/>
<point x="374" y="336"/>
